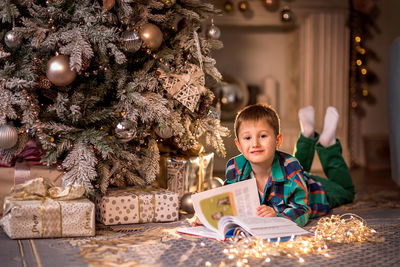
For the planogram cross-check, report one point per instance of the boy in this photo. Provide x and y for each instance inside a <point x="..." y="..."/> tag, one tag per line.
<point x="285" y="189"/>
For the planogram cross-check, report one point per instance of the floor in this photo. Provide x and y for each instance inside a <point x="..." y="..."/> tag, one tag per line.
<point x="367" y="181"/>
<point x="158" y="244"/>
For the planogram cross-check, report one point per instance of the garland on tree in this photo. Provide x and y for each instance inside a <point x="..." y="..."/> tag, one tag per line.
<point x="87" y="80"/>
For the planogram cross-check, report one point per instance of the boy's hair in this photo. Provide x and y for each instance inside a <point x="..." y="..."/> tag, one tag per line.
<point x="257" y="112"/>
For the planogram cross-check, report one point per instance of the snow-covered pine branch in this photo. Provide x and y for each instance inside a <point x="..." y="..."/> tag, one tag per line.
<point x="150" y="162"/>
<point x="80" y="164"/>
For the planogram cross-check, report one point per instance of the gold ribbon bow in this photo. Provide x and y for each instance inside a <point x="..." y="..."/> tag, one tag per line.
<point x="40" y="188"/>
<point x="50" y="207"/>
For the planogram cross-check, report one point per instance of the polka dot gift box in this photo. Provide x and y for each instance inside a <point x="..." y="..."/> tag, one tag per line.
<point x="126" y="206"/>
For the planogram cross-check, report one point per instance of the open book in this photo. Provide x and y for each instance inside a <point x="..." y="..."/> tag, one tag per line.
<point x="227" y="210"/>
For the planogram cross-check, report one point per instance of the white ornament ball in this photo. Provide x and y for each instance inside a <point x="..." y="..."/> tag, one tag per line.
<point x="8" y="136"/>
<point x="12" y="39"/>
<point x="59" y="72"/>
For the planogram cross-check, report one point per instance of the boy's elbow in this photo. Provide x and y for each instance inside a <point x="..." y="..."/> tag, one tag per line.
<point x="303" y="219"/>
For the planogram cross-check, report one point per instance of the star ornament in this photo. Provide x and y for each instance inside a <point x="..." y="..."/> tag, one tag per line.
<point x="185" y="86"/>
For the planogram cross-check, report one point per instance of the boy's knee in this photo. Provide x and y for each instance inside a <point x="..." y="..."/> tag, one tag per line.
<point x="339" y="198"/>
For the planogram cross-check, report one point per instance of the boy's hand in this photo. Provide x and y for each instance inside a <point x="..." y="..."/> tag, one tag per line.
<point x="196" y="221"/>
<point x="265" y="211"/>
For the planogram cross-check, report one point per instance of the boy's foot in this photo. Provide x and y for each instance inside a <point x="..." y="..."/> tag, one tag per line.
<point x="328" y="135"/>
<point x="306" y="117"/>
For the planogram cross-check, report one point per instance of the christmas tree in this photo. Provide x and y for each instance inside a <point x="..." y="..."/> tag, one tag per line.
<point x="100" y="84"/>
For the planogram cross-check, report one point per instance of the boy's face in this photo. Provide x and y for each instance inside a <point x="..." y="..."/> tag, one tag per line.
<point x="257" y="141"/>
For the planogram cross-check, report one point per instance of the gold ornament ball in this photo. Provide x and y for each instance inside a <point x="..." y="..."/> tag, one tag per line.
<point x="169" y="3"/>
<point x="108" y="4"/>
<point x="187" y="203"/>
<point x="8" y="136"/>
<point x="59" y="72"/>
<point x="151" y="36"/>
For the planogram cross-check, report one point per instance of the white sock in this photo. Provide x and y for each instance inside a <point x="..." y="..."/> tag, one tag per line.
<point x="328" y="135"/>
<point x="306" y="117"/>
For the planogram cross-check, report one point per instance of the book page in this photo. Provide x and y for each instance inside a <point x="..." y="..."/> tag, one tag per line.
<point x="238" y="199"/>
<point x="199" y="231"/>
<point x="264" y="227"/>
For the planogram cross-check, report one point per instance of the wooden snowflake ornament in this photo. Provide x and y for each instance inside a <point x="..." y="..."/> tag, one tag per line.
<point x="186" y="86"/>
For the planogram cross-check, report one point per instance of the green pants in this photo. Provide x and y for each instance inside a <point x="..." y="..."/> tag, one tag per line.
<point x="339" y="187"/>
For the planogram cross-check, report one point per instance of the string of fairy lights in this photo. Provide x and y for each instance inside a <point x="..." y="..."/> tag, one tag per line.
<point x="286" y="13"/>
<point x="363" y="14"/>
<point x="337" y="229"/>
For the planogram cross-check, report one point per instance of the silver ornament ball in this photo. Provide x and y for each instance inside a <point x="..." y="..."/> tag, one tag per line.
<point x="231" y="96"/>
<point x="8" y="136"/>
<point x="216" y="182"/>
<point x="187" y="203"/>
<point x="164" y="132"/>
<point x="213" y="32"/>
<point x="131" y="41"/>
<point x="214" y="113"/>
<point x="12" y="39"/>
<point x="125" y="131"/>
<point x="59" y="72"/>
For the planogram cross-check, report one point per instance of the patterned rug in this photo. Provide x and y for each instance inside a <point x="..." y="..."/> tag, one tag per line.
<point x="370" y="200"/>
<point x="158" y="244"/>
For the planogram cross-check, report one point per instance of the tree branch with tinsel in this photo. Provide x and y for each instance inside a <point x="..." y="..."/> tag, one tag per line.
<point x="83" y="80"/>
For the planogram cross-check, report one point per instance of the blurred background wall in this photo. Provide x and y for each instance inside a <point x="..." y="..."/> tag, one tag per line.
<point x="306" y="60"/>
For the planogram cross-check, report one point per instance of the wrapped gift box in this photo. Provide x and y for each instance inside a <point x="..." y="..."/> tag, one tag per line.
<point x="186" y="174"/>
<point x="49" y="218"/>
<point x="125" y="206"/>
<point x="37" y="209"/>
<point x="7" y="178"/>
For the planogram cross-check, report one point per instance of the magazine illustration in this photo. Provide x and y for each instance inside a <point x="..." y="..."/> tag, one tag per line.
<point x="218" y="206"/>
